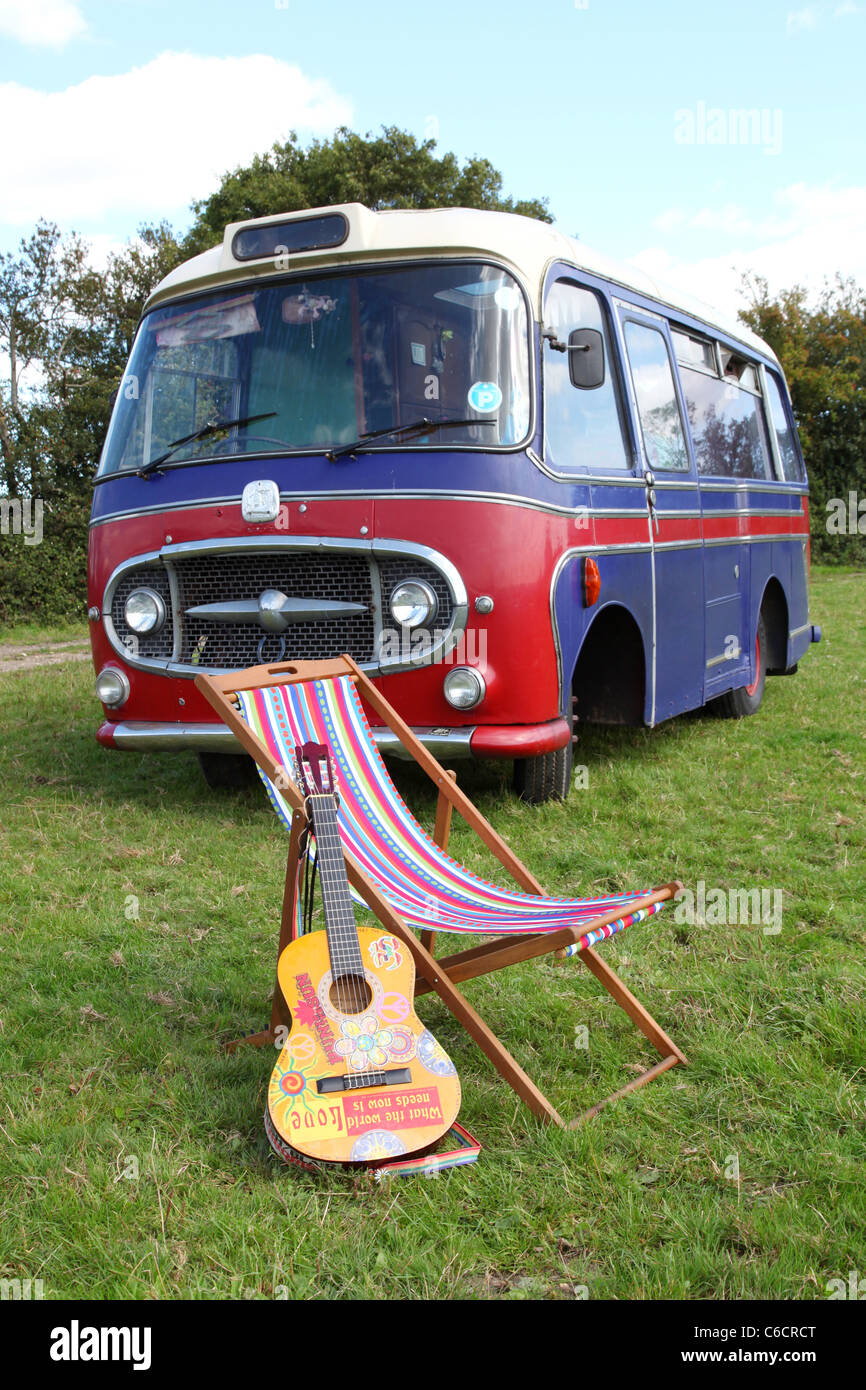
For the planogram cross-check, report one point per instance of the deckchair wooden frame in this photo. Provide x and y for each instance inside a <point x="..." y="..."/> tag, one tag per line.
<point x="444" y="974"/>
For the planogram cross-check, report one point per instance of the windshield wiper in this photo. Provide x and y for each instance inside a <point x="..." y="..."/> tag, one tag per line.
<point x="417" y="427"/>
<point x="212" y="427"/>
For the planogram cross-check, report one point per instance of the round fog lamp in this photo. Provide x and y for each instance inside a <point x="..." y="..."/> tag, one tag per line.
<point x="413" y="603"/>
<point x="112" y="687"/>
<point x="144" y="611"/>
<point x="464" y="688"/>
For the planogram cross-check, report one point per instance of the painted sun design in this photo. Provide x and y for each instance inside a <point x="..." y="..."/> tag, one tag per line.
<point x="288" y="1087"/>
<point x="292" y="1083"/>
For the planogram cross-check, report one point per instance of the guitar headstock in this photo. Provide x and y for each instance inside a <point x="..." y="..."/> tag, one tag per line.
<point x="315" y="769"/>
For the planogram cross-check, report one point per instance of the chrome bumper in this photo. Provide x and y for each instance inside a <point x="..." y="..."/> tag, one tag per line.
<point x="217" y="738"/>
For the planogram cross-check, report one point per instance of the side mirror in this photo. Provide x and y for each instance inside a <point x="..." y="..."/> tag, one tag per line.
<point x="586" y="358"/>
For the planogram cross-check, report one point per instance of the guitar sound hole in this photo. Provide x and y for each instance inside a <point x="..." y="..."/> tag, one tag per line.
<point x="350" y="994"/>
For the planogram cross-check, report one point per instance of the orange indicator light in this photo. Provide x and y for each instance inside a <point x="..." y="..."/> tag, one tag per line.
<point x="591" y="582"/>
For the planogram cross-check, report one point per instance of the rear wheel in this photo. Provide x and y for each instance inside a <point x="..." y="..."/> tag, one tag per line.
<point x="225" y="772"/>
<point x="736" y="704"/>
<point x="546" y="777"/>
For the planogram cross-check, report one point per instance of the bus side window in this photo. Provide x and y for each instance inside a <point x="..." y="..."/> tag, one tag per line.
<point x="582" y="424"/>
<point x="788" y="452"/>
<point x="656" y="398"/>
<point x="725" y="415"/>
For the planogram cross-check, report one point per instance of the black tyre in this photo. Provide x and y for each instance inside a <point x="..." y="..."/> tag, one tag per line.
<point x="546" y="777"/>
<point x="227" y="772"/>
<point x="736" y="704"/>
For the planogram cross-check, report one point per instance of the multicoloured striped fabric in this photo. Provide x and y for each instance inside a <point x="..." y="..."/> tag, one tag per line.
<point x="465" y="1150"/>
<point x="428" y="888"/>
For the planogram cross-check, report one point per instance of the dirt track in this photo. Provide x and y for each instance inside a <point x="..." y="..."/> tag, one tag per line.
<point x="20" y="658"/>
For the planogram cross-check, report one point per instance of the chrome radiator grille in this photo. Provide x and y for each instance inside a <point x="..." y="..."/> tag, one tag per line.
<point x="213" y="578"/>
<point x="190" y="580"/>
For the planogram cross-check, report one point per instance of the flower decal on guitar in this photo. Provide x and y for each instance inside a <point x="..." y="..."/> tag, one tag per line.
<point x="363" y="1042"/>
<point x="366" y="1043"/>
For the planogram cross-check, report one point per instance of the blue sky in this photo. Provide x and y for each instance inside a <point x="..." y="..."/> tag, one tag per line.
<point x="623" y="114"/>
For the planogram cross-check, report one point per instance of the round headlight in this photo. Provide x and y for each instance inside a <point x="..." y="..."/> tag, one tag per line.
<point x="144" y="611"/>
<point x="112" y="687"/>
<point x="413" y="603"/>
<point x="464" y="688"/>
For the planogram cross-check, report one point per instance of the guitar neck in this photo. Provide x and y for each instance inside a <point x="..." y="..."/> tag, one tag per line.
<point x="343" y="946"/>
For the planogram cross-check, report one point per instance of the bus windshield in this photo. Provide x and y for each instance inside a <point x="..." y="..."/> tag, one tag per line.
<point x="315" y="363"/>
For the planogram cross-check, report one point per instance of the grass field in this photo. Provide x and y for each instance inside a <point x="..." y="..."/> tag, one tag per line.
<point x="137" y="920"/>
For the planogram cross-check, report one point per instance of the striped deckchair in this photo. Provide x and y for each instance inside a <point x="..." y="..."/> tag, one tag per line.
<point x="404" y="875"/>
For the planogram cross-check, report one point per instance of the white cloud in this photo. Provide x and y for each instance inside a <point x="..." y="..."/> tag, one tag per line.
<point x="812" y="233"/>
<point x="730" y="219"/>
<point x="46" y="23"/>
<point x="102" y="246"/>
<point x="798" y="20"/>
<point x="144" y="143"/>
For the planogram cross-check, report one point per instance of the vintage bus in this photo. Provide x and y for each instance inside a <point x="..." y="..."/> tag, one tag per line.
<point x="523" y="487"/>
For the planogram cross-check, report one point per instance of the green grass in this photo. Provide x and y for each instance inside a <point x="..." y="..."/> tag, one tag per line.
<point x="35" y="634"/>
<point x="138" y="928"/>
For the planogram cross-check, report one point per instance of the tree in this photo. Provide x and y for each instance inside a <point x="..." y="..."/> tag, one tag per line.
<point x="74" y="412"/>
<point x="822" y="350"/>
<point x="391" y="170"/>
<point x="66" y="329"/>
<point x="65" y="333"/>
<point x="37" y="316"/>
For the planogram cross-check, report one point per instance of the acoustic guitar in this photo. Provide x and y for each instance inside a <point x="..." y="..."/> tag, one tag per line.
<point x="359" y="1079"/>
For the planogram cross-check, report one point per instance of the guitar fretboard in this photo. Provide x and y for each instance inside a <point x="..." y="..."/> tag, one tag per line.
<point x="344" y="948"/>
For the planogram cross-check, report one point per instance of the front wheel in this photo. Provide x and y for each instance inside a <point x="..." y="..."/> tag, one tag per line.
<point x="736" y="704"/>
<point x="546" y="777"/>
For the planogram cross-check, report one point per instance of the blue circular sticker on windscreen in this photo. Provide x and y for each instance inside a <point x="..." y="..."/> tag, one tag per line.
<point x="484" y="396"/>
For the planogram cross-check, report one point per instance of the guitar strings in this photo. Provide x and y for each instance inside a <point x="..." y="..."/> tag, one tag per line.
<point x="344" y="947"/>
<point x="351" y="959"/>
<point x="343" y="957"/>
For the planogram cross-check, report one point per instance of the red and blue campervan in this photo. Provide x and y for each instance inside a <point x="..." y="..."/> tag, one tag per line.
<point x="521" y="486"/>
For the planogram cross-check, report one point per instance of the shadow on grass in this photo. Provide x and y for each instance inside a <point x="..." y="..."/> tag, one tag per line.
<point x="68" y="762"/>
<point x="173" y="781"/>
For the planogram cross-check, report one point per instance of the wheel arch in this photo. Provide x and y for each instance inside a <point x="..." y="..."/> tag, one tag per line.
<point x="774" y="609"/>
<point x="609" y="676"/>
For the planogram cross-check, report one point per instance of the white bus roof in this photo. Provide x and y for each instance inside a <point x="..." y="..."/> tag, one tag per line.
<point x="524" y="243"/>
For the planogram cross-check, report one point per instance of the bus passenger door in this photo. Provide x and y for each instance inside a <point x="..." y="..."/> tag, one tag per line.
<point x="727" y="569"/>
<point x="674" y="509"/>
<point x="587" y="446"/>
